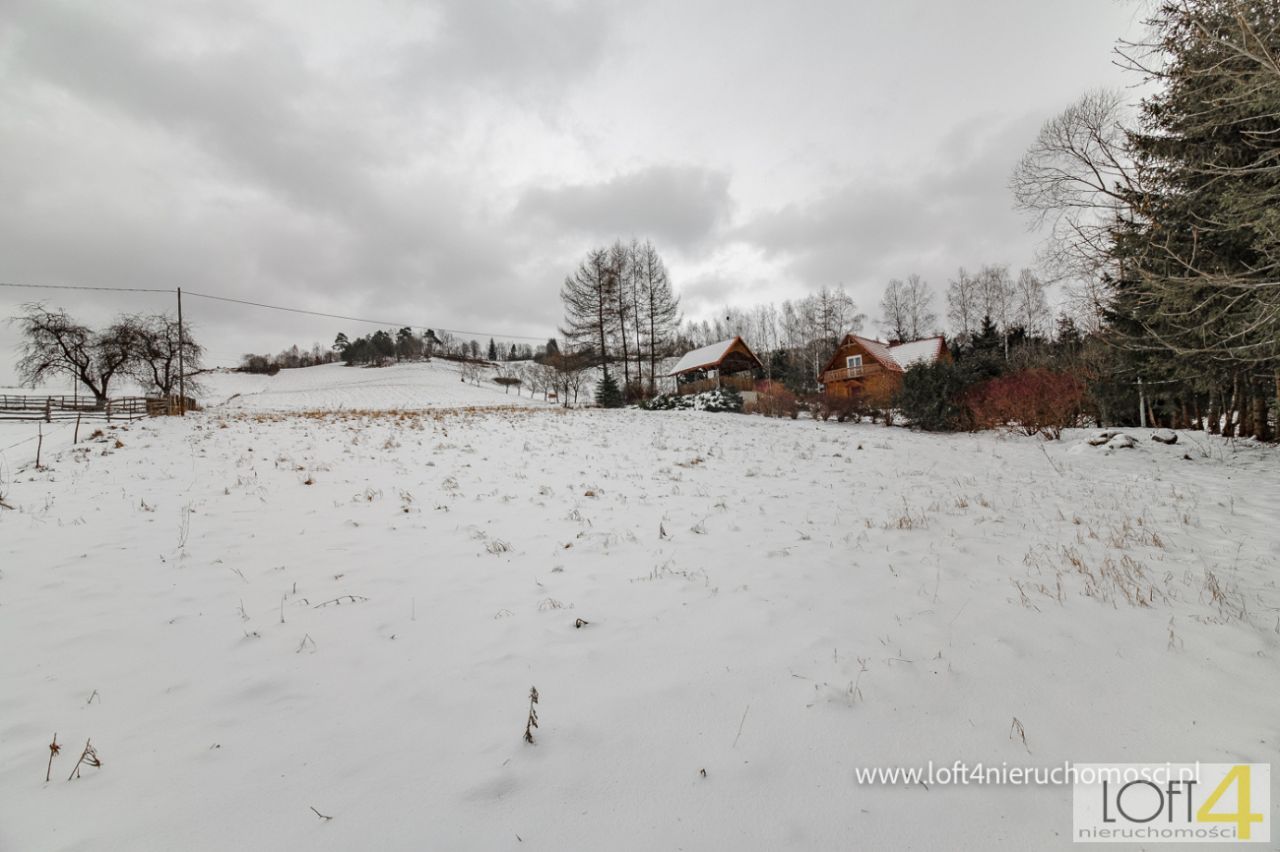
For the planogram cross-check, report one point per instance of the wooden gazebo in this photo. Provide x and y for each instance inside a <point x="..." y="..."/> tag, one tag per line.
<point x="726" y="364"/>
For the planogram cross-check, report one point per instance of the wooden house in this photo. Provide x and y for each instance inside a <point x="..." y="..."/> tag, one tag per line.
<point x="865" y="367"/>
<point x="724" y="364"/>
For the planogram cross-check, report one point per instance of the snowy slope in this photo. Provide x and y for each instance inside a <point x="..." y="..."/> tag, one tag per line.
<point x="331" y="387"/>
<point x="253" y="614"/>
<point x="411" y="386"/>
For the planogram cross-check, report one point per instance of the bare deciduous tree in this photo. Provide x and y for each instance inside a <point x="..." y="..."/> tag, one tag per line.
<point x="590" y="304"/>
<point x="659" y="312"/>
<point x="55" y="344"/>
<point x="1077" y="179"/>
<point x="907" y="309"/>
<point x="622" y="265"/>
<point x="156" y="361"/>
<point x="1030" y="304"/>
<point x="964" y="310"/>
<point x="996" y="293"/>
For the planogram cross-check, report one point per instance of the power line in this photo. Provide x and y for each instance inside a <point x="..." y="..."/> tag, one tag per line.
<point x="350" y="318"/>
<point x="366" y="320"/>
<point x="83" y="287"/>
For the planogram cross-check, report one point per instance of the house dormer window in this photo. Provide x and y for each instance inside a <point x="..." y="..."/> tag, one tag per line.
<point x="853" y="362"/>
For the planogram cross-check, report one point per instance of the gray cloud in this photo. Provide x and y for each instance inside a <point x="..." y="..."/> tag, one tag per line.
<point x="954" y="211"/>
<point x="445" y="163"/>
<point x="678" y="205"/>
<point x="505" y="45"/>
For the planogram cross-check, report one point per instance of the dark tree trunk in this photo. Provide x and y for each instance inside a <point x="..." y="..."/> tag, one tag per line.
<point x="1245" y="428"/>
<point x="1229" y="421"/>
<point x="1261" y="428"/>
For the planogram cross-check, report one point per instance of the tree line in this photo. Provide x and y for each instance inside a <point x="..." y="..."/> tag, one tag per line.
<point x="794" y="339"/>
<point x="1164" y="215"/>
<point x="383" y="347"/>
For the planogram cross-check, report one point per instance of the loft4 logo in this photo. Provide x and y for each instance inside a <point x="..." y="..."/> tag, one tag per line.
<point x="1172" y="803"/>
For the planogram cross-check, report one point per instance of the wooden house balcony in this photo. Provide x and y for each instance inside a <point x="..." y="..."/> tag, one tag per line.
<point x="845" y="374"/>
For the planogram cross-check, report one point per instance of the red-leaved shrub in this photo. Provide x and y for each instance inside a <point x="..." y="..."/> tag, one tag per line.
<point x="776" y="401"/>
<point x="842" y="408"/>
<point x="1035" y="401"/>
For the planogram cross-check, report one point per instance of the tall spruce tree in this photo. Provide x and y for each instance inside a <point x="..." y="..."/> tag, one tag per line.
<point x="1200" y="260"/>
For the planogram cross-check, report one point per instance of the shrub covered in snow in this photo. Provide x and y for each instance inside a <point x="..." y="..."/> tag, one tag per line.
<point x="663" y="402"/>
<point x="722" y="399"/>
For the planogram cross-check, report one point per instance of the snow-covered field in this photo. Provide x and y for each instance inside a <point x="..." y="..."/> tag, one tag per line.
<point x="432" y="384"/>
<point x="254" y="613"/>
<point x="410" y="386"/>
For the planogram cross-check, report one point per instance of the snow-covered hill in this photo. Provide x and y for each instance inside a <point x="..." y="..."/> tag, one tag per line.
<point x="410" y="386"/>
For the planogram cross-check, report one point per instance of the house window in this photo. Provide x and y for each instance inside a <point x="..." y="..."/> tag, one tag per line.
<point x="854" y="363"/>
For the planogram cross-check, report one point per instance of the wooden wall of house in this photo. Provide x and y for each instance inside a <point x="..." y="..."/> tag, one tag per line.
<point x="837" y="361"/>
<point x="879" y="385"/>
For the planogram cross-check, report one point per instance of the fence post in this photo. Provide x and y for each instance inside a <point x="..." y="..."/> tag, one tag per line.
<point x="48" y="409"/>
<point x="76" y="439"/>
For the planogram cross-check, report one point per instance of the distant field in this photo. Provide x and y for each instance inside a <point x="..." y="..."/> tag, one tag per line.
<point x="432" y="384"/>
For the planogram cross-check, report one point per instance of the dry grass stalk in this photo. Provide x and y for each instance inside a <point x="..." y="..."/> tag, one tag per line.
<point x="88" y="757"/>
<point x="532" y="721"/>
<point x="54" y="748"/>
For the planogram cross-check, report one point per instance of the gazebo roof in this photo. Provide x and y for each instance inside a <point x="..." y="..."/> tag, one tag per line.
<point x="712" y="355"/>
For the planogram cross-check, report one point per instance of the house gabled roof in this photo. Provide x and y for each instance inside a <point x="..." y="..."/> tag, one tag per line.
<point x="898" y="357"/>
<point x="923" y="351"/>
<point x="710" y="356"/>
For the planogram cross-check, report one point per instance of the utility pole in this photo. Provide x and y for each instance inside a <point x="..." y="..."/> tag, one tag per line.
<point x="182" y="363"/>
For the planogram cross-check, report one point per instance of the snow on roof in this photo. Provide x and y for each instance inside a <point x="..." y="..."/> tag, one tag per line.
<point x="916" y="352"/>
<point x="707" y="355"/>
<point x="900" y="356"/>
<point x="878" y="350"/>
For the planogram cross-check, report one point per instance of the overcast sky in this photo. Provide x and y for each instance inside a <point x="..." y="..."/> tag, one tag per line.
<point x="446" y="164"/>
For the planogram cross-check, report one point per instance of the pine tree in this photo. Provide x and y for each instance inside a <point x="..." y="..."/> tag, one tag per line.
<point x="1067" y="333"/>
<point x="1195" y="300"/>
<point x="988" y="340"/>
<point x="1200" y="261"/>
<point x="608" y="395"/>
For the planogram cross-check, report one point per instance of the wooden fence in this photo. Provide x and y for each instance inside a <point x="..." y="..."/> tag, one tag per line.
<point x="51" y="408"/>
